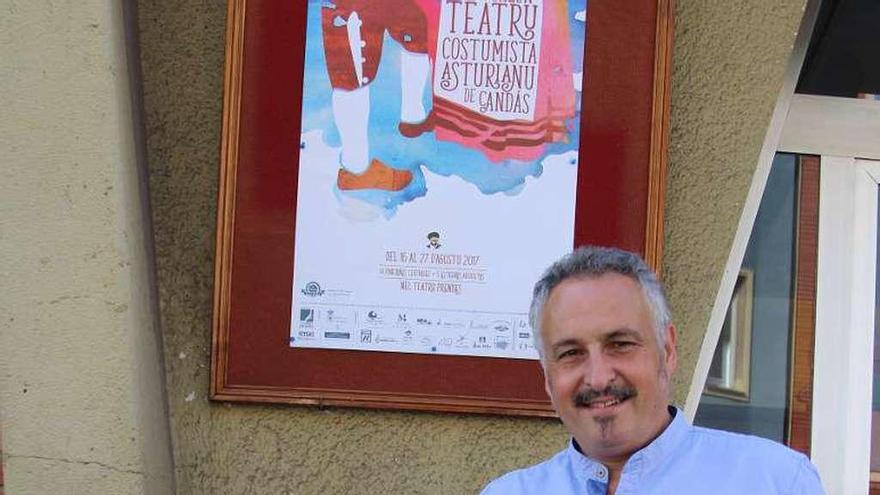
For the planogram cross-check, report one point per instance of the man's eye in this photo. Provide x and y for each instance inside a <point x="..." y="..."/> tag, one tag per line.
<point x="622" y="345"/>
<point x="568" y="353"/>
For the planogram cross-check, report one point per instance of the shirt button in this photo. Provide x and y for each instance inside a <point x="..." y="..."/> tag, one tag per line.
<point x="601" y="473"/>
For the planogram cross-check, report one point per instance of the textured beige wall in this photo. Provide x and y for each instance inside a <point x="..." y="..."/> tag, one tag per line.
<point x="81" y="382"/>
<point x="730" y="60"/>
<point x="727" y="72"/>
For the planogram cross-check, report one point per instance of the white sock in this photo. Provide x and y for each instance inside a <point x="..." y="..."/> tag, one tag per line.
<point x="351" y="111"/>
<point x="414" y="71"/>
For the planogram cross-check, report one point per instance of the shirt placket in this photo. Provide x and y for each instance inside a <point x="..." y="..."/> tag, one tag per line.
<point x="631" y="478"/>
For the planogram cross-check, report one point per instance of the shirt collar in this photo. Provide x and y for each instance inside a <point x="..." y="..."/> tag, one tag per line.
<point x="586" y="468"/>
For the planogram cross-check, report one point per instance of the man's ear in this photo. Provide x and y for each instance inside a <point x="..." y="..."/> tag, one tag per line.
<point x="548" y="388"/>
<point x="546" y="383"/>
<point x="671" y="355"/>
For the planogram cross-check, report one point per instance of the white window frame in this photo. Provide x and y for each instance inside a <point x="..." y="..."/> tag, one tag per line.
<point x="844" y="132"/>
<point x="843" y="359"/>
<point x="828" y="125"/>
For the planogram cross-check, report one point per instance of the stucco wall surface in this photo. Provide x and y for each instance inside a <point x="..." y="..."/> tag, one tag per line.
<point x="727" y="73"/>
<point x="729" y="64"/>
<point x="81" y="385"/>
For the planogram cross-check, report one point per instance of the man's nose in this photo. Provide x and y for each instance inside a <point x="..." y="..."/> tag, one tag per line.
<point x="598" y="371"/>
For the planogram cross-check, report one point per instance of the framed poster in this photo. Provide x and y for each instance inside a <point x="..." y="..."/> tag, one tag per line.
<point x="395" y="176"/>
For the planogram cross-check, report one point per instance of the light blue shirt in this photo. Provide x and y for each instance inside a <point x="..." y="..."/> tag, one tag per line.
<point x="683" y="460"/>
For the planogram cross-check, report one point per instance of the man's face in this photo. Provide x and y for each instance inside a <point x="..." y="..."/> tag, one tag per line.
<point x="603" y="368"/>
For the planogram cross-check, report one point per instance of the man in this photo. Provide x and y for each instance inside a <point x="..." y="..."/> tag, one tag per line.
<point x="607" y="347"/>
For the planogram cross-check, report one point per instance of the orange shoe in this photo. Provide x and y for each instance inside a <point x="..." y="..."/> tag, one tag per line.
<point x="377" y="176"/>
<point x="416" y="129"/>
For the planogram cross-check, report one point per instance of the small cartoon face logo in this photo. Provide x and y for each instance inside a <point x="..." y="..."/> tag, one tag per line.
<point x="313" y="289"/>
<point x="433" y="240"/>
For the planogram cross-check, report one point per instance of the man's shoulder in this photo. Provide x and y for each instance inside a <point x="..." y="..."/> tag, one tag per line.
<point x="764" y="461"/>
<point x="740" y="444"/>
<point x="552" y="471"/>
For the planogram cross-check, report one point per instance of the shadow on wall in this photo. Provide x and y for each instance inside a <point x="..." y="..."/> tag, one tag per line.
<point x="1" y="461"/>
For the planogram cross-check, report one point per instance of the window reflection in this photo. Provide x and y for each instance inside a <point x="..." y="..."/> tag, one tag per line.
<point x="761" y="409"/>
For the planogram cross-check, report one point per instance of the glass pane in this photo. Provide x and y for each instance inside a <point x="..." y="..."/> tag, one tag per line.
<point x="748" y="392"/>
<point x="875" y="415"/>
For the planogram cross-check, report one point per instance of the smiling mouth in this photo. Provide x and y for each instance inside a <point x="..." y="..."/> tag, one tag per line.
<point x="607" y="398"/>
<point x="604" y="404"/>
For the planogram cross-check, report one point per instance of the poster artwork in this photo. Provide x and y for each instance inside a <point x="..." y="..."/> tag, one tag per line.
<point x="437" y="171"/>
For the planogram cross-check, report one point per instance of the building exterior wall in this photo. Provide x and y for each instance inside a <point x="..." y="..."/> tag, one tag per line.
<point x="728" y="66"/>
<point x="81" y="379"/>
<point x="75" y="333"/>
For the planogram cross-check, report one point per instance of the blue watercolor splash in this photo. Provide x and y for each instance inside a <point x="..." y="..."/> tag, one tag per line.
<point x="439" y="157"/>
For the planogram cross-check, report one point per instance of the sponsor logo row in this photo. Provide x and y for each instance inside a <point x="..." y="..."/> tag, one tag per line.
<point x="375" y="328"/>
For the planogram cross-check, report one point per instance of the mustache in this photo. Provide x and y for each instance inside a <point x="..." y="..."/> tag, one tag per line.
<point x="620" y="392"/>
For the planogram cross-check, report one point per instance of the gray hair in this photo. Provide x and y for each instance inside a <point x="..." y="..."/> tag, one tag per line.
<point x="594" y="261"/>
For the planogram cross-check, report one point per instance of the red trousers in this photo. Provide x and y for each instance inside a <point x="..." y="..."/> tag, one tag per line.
<point x="404" y="21"/>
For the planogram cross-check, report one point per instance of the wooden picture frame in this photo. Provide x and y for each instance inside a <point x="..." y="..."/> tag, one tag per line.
<point x="620" y="191"/>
